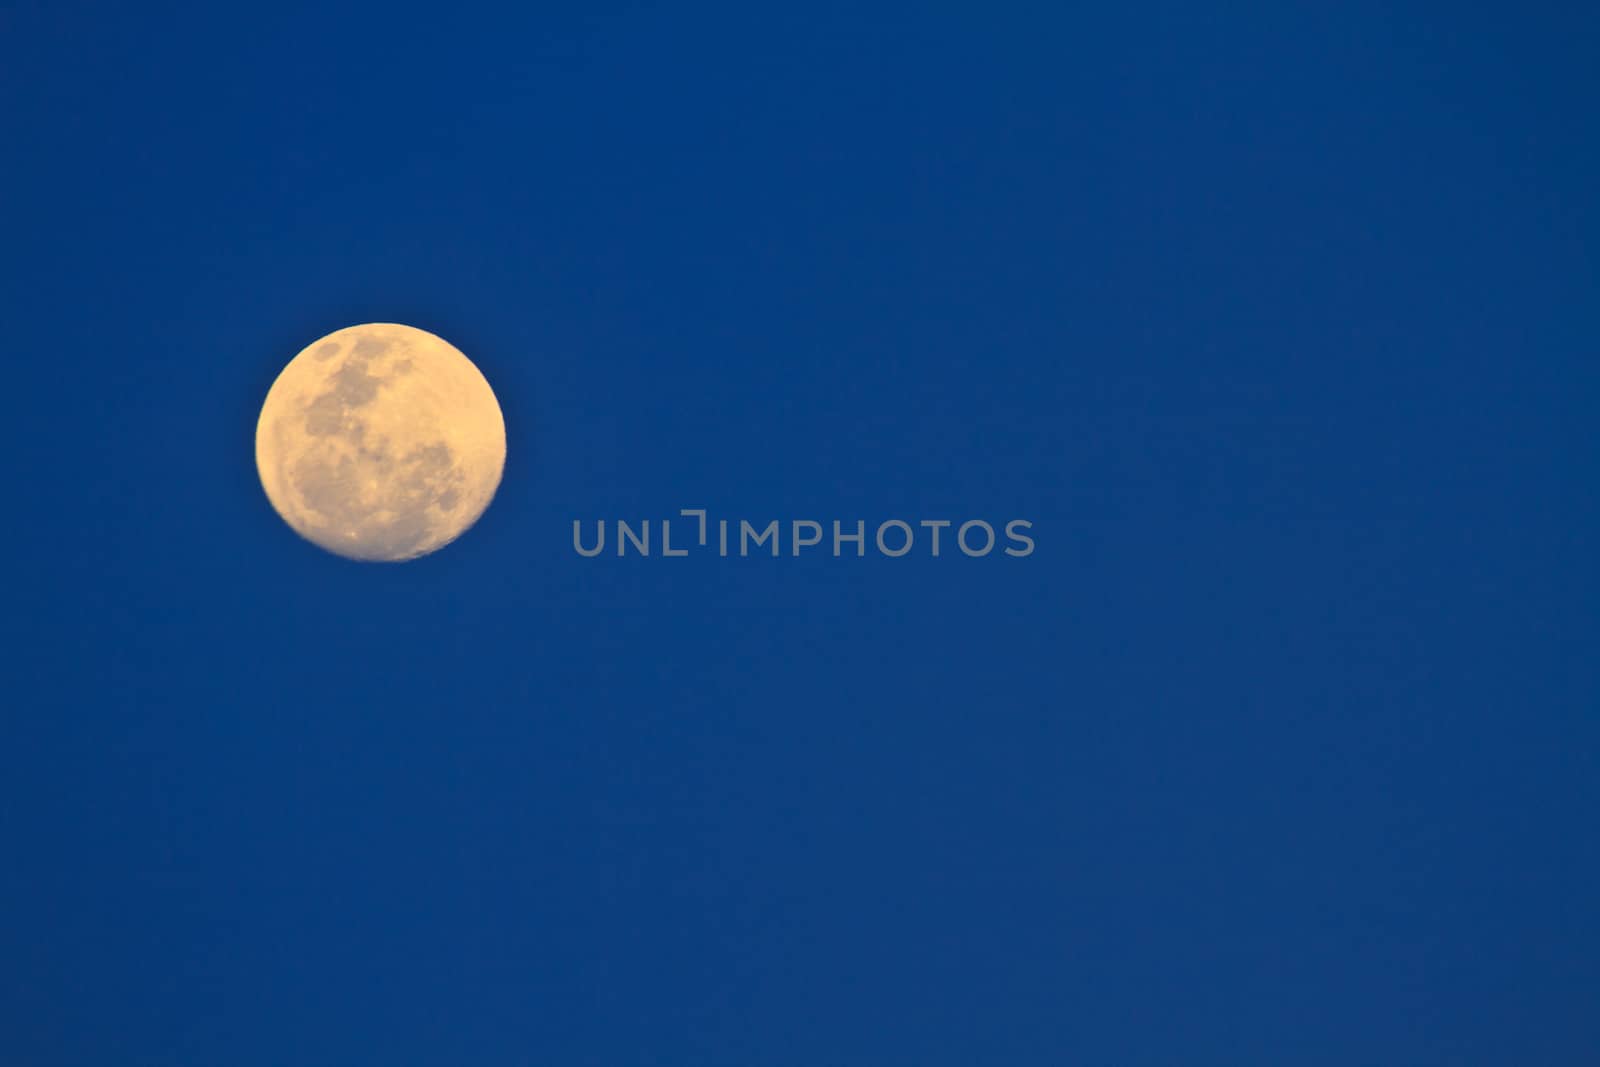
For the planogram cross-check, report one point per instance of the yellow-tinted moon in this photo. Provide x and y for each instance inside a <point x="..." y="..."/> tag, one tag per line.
<point x="380" y="442"/>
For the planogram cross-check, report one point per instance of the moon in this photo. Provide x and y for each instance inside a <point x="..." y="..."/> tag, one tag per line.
<point x="380" y="442"/>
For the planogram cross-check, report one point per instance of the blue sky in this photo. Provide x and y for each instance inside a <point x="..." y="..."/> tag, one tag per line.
<point x="1277" y="322"/>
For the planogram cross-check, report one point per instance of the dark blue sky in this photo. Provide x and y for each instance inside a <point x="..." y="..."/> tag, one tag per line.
<point x="1278" y="322"/>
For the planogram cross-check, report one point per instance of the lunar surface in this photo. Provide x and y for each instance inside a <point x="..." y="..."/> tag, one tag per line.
<point x="380" y="442"/>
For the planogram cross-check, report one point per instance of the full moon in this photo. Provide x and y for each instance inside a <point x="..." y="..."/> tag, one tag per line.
<point x="380" y="442"/>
